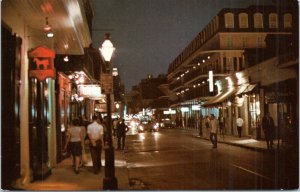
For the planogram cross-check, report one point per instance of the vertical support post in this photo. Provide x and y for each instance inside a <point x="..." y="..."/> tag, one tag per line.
<point x="110" y="181"/>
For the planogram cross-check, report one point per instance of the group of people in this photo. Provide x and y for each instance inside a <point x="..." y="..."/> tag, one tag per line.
<point x="95" y="133"/>
<point x="214" y="124"/>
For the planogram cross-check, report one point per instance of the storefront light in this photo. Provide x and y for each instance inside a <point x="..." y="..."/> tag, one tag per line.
<point x="66" y="59"/>
<point x="184" y="109"/>
<point x="228" y="104"/>
<point x="81" y="79"/>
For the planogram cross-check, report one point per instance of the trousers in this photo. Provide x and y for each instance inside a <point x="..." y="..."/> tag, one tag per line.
<point x="96" y="155"/>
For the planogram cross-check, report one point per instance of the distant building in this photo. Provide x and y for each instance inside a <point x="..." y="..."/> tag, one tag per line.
<point x="146" y="93"/>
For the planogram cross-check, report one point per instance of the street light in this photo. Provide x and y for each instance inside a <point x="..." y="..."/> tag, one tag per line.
<point x="109" y="181"/>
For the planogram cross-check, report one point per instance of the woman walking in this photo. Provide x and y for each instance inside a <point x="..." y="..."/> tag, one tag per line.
<point x="75" y="142"/>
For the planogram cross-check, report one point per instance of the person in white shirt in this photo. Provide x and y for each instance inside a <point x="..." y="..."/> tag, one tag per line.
<point x="75" y="142"/>
<point x="213" y="130"/>
<point x="95" y="134"/>
<point x="239" y="124"/>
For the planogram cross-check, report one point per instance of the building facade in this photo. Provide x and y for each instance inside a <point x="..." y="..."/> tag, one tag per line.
<point x="35" y="95"/>
<point x="214" y="72"/>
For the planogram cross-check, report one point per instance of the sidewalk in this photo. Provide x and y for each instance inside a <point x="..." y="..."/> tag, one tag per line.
<point x="64" y="178"/>
<point x="245" y="142"/>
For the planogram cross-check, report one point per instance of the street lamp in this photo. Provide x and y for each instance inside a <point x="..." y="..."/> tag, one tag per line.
<point x="109" y="181"/>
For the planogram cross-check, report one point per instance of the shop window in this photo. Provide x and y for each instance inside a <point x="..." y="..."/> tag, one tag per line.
<point x="243" y="20"/>
<point x="258" y="20"/>
<point x="273" y="20"/>
<point x="229" y="20"/>
<point x="287" y="20"/>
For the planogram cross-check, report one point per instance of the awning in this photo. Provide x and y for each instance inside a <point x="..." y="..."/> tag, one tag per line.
<point x="218" y="99"/>
<point x="245" y="88"/>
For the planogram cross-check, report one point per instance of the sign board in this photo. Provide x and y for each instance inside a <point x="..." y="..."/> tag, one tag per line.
<point x="169" y="112"/>
<point x="184" y="109"/>
<point x="196" y="108"/>
<point x="92" y="91"/>
<point x="106" y="81"/>
<point x="41" y="63"/>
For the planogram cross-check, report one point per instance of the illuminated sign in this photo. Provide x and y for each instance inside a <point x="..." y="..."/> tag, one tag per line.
<point x="211" y="81"/>
<point x="196" y="107"/>
<point x="91" y="91"/>
<point x="169" y="112"/>
<point x="184" y="109"/>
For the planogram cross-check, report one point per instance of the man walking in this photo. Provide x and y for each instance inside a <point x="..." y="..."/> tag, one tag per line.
<point x="95" y="134"/>
<point x="213" y="130"/>
<point x="268" y="127"/>
<point x="121" y="134"/>
<point x="222" y="125"/>
<point x="239" y="124"/>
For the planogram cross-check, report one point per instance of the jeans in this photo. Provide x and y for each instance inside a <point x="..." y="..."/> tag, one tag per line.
<point x="214" y="139"/>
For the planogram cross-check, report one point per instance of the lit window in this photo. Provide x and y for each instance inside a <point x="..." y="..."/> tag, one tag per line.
<point x="243" y="20"/>
<point x="229" y="20"/>
<point x="258" y="20"/>
<point x="273" y="20"/>
<point x="287" y="20"/>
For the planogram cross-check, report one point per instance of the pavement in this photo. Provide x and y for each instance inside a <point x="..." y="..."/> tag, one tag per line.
<point x="246" y="142"/>
<point x="63" y="177"/>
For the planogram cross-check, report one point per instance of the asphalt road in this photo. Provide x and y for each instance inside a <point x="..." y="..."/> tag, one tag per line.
<point x="176" y="160"/>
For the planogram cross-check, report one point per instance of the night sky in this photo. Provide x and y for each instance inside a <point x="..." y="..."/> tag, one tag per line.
<point x="149" y="34"/>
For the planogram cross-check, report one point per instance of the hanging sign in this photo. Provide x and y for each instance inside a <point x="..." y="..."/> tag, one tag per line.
<point x="106" y="81"/>
<point x="91" y="91"/>
<point x="41" y="63"/>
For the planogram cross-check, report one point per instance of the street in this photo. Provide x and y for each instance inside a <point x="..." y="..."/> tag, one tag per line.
<point x="174" y="159"/>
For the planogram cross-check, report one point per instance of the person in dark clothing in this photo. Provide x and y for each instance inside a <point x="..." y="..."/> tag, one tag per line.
<point x="121" y="134"/>
<point x="268" y="127"/>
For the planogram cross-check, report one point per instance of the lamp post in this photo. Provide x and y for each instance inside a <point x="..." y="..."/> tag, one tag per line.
<point x="109" y="181"/>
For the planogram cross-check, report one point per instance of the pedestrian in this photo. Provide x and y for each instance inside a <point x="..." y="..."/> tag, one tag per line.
<point x="222" y="126"/>
<point x="239" y="124"/>
<point x="206" y="122"/>
<point x="115" y="125"/>
<point x="75" y="141"/>
<point x="268" y="127"/>
<point x="199" y="125"/>
<point x="95" y="134"/>
<point x="83" y="157"/>
<point x="121" y="134"/>
<point x="213" y="130"/>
